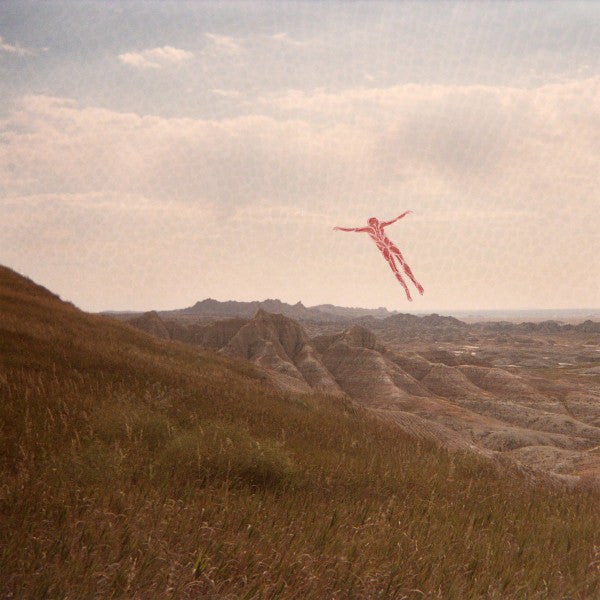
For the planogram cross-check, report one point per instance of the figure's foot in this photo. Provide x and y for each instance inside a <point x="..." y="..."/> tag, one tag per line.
<point x="420" y="288"/>
<point x="408" y="297"/>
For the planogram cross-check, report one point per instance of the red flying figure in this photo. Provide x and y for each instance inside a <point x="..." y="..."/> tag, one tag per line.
<point x="387" y="248"/>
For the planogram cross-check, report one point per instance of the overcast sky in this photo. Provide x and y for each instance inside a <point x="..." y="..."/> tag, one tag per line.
<point x="153" y="154"/>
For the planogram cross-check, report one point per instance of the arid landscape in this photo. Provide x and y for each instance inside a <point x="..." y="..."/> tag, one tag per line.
<point x="528" y="391"/>
<point x="299" y="300"/>
<point x="271" y="463"/>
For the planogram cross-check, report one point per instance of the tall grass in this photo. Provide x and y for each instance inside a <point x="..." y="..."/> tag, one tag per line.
<point x="134" y="468"/>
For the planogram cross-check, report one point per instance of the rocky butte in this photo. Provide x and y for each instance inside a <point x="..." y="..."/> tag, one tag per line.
<point x="527" y="392"/>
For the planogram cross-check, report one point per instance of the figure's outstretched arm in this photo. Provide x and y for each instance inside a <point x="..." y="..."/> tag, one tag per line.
<point x="386" y="223"/>
<point x="359" y="229"/>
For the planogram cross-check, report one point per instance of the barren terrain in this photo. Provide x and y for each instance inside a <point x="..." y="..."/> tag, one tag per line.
<point x="527" y="391"/>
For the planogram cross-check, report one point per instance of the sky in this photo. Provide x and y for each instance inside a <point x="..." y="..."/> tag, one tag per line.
<point x="153" y="154"/>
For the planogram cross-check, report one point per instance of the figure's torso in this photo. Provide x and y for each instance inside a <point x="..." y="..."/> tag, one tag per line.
<point x="377" y="234"/>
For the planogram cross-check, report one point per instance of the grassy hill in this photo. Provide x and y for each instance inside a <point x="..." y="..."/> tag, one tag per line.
<point x="138" y="468"/>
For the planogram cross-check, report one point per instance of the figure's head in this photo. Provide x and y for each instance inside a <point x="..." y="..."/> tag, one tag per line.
<point x="373" y="221"/>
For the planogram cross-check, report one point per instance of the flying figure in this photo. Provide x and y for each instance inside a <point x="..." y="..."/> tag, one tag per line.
<point x="387" y="248"/>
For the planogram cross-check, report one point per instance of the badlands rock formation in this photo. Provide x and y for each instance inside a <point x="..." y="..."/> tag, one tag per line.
<point x="454" y="393"/>
<point x="280" y="345"/>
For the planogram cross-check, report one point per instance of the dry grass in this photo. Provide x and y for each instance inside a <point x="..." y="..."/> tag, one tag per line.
<point x="134" y="468"/>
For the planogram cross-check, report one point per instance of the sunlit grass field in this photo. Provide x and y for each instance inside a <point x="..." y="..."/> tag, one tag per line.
<point x="136" y="468"/>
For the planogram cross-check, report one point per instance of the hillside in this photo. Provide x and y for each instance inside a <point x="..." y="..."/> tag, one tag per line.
<point x="452" y="396"/>
<point x="137" y="467"/>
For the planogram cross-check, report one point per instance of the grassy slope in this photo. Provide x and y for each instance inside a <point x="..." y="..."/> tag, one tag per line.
<point x="136" y="468"/>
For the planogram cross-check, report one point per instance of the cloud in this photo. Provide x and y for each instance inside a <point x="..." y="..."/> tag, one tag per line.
<point x="498" y="138"/>
<point x="15" y="49"/>
<point x="284" y="39"/>
<point x="476" y="147"/>
<point x="229" y="47"/>
<point x="52" y="145"/>
<point x="101" y="201"/>
<point x="232" y="94"/>
<point x="155" y="58"/>
<point x="267" y="213"/>
<point x="502" y="181"/>
<point x="222" y="45"/>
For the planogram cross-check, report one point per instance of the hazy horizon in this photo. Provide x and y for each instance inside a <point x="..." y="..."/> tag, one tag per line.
<point x="533" y="313"/>
<point x="155" y="154"/>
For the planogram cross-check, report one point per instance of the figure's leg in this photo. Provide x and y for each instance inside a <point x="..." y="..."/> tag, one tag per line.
<point x="406" y="268"/>
<point x="390" y="260"/>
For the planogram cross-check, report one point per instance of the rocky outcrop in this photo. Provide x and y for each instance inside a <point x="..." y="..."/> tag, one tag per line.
<point x="499" y="381"/>
<point x="588" y="327"/>
<point x="218" y="334"/>
<point x="363" y="368"/>
<point x="408" y="327"/>
<point x="448" y="382"/>
<point x="324" y="312"/>
<point x="280" y="344"/>
<point x="414" y="364"/>
<point x="435" y="392"/>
